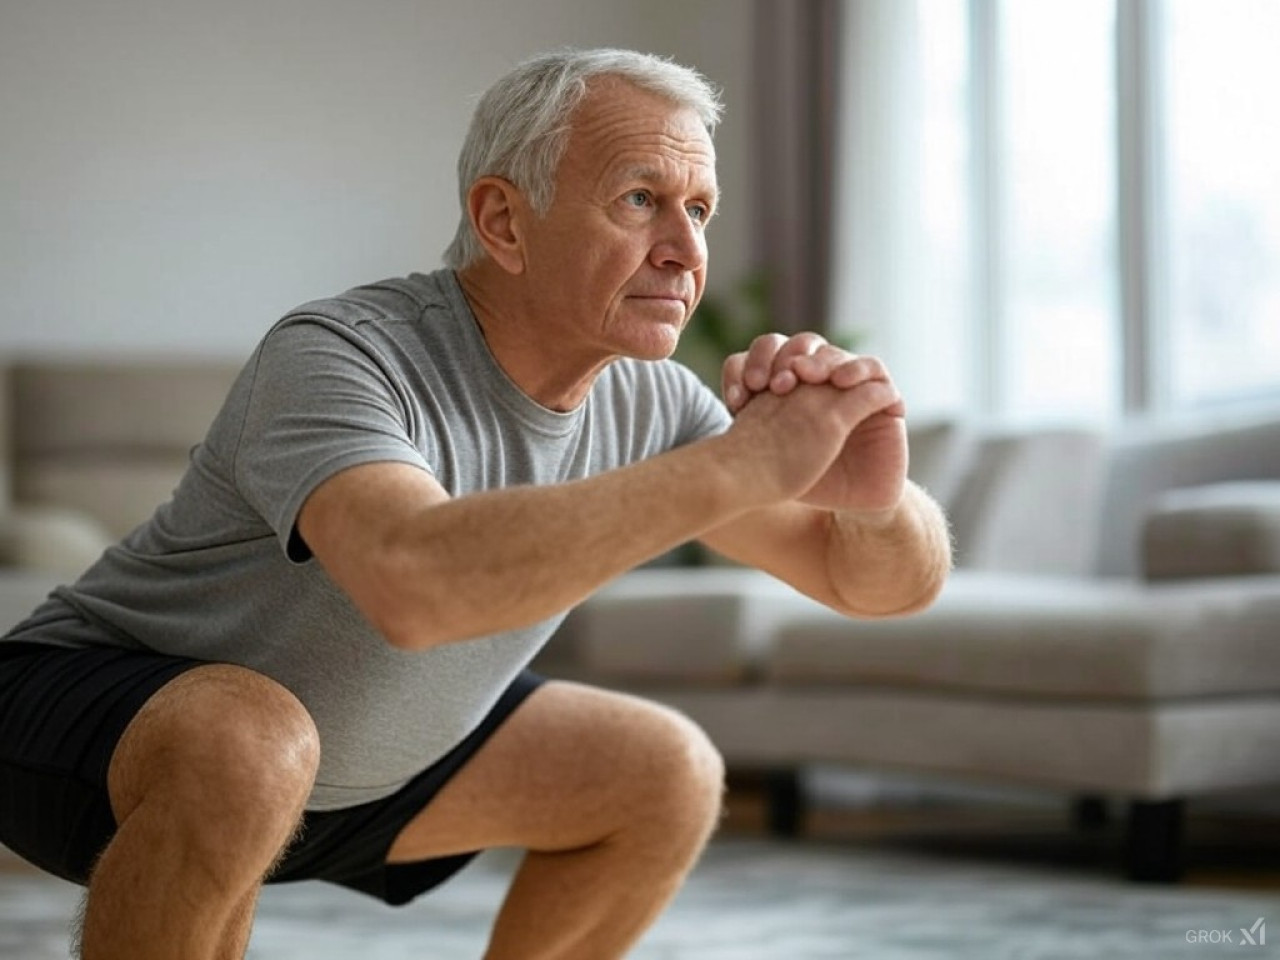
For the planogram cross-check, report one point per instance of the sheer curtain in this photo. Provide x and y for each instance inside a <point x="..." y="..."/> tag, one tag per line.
<point x="901" y="217"/>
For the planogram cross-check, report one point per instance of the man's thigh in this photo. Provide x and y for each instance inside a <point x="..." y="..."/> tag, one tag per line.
<point x="568" y="768"/>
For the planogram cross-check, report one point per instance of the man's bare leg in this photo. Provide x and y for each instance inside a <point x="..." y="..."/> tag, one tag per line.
<point x="207" y="784"/>
<point x="613" y="797"/>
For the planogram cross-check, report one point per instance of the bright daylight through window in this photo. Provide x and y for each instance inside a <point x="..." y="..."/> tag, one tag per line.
<point x="1223" y="162"/>
<point x="1059" y="220"/>
<point x="1023" y="117"/>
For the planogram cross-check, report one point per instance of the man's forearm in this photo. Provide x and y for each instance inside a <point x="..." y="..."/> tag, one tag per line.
<point x="891" y="564"/>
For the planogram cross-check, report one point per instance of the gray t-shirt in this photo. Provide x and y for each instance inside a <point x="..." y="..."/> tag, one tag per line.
<point x="395" y="371"/>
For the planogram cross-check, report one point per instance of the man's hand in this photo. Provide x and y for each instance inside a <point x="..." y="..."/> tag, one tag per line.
<point x="779" y="364"/>
<point x="850" y="531"/>
<point x="836" y="390"/>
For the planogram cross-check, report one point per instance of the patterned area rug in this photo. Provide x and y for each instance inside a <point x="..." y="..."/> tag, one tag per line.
<point x="753" y="899"/>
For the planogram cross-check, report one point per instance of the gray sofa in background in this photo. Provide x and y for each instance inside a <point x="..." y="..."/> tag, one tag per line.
<point x="88" y="448"/>
<point x="1112" y="630"/>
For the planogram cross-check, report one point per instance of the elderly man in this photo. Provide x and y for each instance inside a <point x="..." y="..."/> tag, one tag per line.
<point x="311" y="662"/>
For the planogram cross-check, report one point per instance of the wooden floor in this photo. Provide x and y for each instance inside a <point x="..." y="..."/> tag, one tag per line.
<point x="1222" y="848"/>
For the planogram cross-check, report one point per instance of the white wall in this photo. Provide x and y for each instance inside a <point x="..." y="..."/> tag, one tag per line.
<point x="174" y="174"/>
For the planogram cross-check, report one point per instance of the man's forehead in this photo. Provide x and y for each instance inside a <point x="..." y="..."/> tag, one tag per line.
<point x="614" y="108"/>
<point x="628" y="133"/>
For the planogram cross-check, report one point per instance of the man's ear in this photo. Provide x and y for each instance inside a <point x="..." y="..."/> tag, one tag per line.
<point x="497" y="209"/>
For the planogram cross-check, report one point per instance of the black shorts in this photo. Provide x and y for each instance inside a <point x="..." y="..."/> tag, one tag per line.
<point x="62" y="711"/>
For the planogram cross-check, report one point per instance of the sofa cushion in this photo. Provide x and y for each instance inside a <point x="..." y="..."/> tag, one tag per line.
<point x="21" y="591"/>
<point x="1040" y="636"/>
<point x="118" y="494"/>
<point x="942" y="451"/>
<point x="114" y="409"/>
<point x="51" y="540"/>
<point x="109" y="438"/>
<point x="1221" y="529"/>
<point x="1148" y="458"/>
<point x="1030" y="502"/>
<point x="700" y="625"/>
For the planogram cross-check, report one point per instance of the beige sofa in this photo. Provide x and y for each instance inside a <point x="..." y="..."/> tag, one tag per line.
<point x="1050" y="660"/>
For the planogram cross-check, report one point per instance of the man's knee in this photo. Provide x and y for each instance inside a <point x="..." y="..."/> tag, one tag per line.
<point x="683" y="773"/>
<point x="233" y="747"/>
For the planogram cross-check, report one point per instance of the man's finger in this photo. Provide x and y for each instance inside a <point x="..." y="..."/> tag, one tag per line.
<point x="839" y="368"/>
<point x="782" y="378"/>
<point x="859" y="370"/>
<point x="732" y="388"/>
<point x="870" y="397"/>
<point x="821" y="365"/>
<point x="759" y="361"/>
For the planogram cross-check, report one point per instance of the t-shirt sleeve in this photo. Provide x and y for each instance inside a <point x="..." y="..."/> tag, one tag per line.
<point x="702" y="414"/>
<point x="321" y="401"/>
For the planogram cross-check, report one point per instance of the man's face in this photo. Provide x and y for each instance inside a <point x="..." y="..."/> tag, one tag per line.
<point x="619" y="261"/>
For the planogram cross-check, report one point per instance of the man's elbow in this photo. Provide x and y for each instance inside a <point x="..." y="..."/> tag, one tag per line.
<point x="917" y="583"/>
<point x="418" y="619"/>
<point x="932" y="572"/>
<point x="411" y="635"/>
<point x="400" y="606"/>
<point x="927" y="593"/>
<point x="898" y="603"/>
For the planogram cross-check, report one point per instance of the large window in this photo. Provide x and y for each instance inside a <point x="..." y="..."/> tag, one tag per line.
<point x="1095" y="223"/>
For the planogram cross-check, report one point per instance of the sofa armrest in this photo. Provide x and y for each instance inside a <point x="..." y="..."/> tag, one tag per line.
<point x="52" y="540"/>
<point x="1215" y="530"/>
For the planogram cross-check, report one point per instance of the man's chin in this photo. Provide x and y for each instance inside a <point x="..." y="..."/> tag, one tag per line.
<point x="660" y="348"/>
<point x="653" y="341"/>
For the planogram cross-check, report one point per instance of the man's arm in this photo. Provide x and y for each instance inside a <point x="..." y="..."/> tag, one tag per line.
<point x="860" y="564"/>
<point x="426" y="569"/>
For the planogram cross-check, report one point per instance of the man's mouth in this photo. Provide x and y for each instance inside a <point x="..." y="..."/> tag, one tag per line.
<point x="661" y="298"/>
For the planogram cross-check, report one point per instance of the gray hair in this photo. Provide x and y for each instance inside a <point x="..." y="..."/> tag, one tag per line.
<point x="521" y="125"/>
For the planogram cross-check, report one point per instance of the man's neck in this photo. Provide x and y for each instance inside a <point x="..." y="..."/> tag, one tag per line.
<point x="524" y="346"/>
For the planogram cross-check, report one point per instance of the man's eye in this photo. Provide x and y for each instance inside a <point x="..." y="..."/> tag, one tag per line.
<point x="638" y="198"/>
<point x="698" y="212"/>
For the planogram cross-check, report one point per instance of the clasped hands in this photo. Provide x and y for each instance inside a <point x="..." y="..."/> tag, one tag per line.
<point x="842" y="413"/>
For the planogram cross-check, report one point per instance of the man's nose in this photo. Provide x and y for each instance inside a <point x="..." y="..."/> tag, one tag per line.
<point x="680" y="242"/>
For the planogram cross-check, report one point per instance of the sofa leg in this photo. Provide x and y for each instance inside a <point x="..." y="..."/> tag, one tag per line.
<point x="785" y="802"/>
<point x="1090" y="812"/>
<point x="1153" y="844"/>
